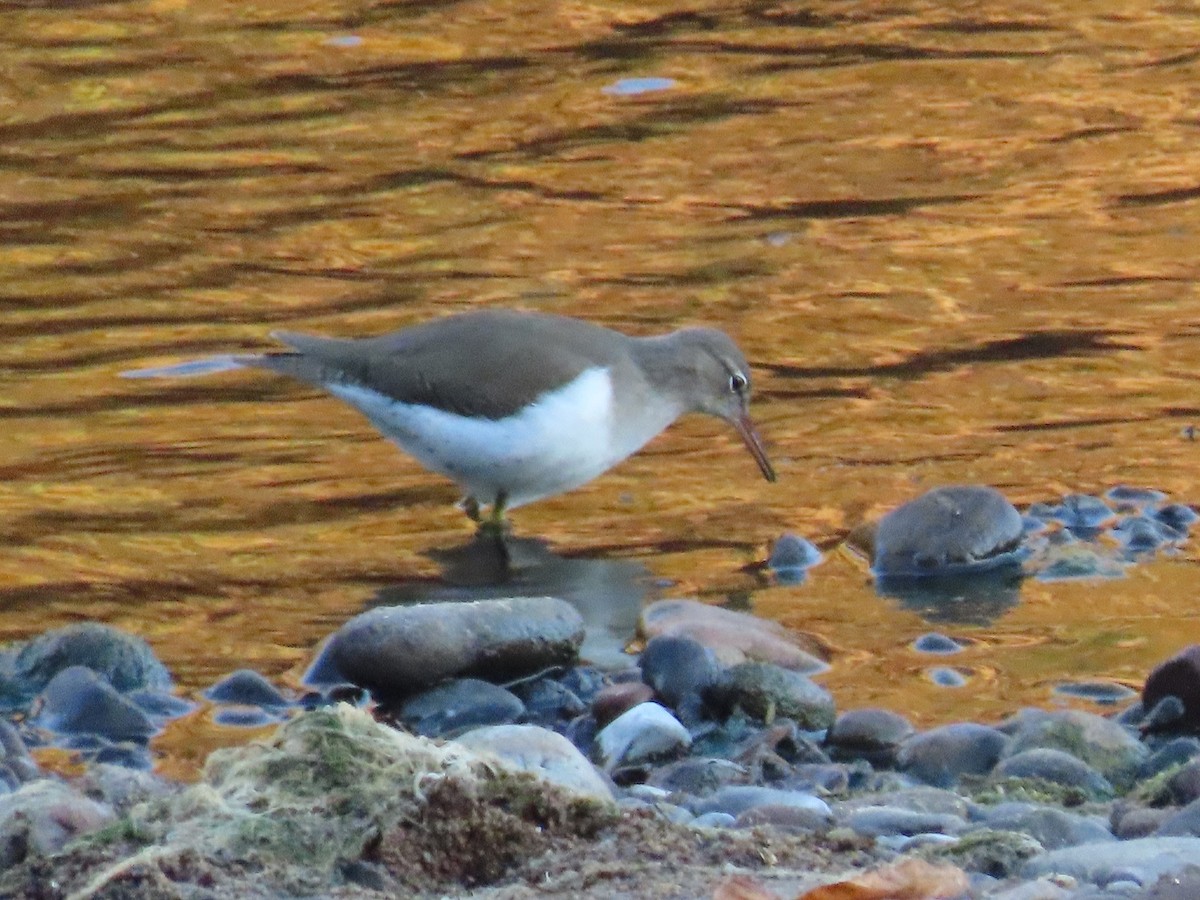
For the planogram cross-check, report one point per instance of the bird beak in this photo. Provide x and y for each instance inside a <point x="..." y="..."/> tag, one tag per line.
<point x="750" y="437"/>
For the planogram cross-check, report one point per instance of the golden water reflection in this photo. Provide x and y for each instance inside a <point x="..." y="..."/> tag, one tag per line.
<point x="957" y="242"/>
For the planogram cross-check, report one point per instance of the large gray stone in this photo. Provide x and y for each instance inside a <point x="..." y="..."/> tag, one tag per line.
<point x="396" y="650"/>
<point x="942" y="755"/>
<point x="1101" y="743"/>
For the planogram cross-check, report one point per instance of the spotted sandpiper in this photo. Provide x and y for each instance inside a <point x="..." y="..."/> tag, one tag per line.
<point x="517" y="406"/>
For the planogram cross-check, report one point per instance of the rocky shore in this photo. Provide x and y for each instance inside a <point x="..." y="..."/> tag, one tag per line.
<point x="463" y="749"/>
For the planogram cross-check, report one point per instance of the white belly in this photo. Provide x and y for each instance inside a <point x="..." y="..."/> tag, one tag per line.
<point x="565" y="439"/>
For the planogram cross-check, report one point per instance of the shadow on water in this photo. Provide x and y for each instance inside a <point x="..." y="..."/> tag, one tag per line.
<point x="609" y="593"/>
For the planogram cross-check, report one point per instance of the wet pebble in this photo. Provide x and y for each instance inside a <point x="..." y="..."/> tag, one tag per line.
<point x="698" y="775"/>
<point x="766" y="692"/>
<point x="791" y="558"/>
<point x="790" y="818"/>
<point x="1072" y="562"/>
<point x="548" y="701"/>
<point x="736" y="800"/>
<point x="871" y="734"/>
<point x="397" y="650"/>
<point x="645" y="732"/>
<point x="1142" y="534"/>
<point x="1185" y="821"/>
<point x="946" y="676"/>
<point x="941" y="756"/>
<point x="237" y="715"/>
<point x="78" y="701"/>
<point x="248" y="688"/>
<point x="875" y="821"/>
<point x="1056" y="767"/>
<point x="947" y="529"/>
<point x="937" y="644"/>
<point x="1082" y="513"/>
<point x="678" y="668"/>
<point x="1133" y="497"/>
<point x="457" y="705"/>
<point x="16" y="765"/>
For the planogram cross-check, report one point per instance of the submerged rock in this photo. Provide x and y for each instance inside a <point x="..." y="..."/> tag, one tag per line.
<point x="947" y="530"/>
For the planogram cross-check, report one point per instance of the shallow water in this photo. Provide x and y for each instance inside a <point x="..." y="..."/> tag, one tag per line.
<point x="957" y="244"/>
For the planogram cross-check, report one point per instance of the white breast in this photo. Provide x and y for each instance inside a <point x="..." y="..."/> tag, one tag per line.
<point x="568" y="437"/>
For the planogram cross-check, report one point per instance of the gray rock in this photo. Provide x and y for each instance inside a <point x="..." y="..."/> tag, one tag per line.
<point x="698" y="775"/>
<point x="458" y="705"/>
<point x="1182" y="885"/>
<point x="1184" y="822"/>
<point x="739" y="799"/>
<point x="120" y="787"/>
<point x="1101" y="743"/>
<point x="648" y="731"/>
<point x="787" y="817"/>
<point x="246" y="687"/>
<point x="397" y="650"/>
<point x="875" y="821"/>
<point x="529" y="748"/>
<point x="941" y="756"/>
<point x="678" y="668"/>
<point x="1150" y="857"/>
<point x="1054" y="766"/>
<point x="713" y="820"/>
<point x="871" y="734"/>
<point x="123" y="660"/>
<point x="922" y="799"/>
<point x="1049" y="826"/>
<point x="42" y="817"/>
<point x="946" y="529"/>
<point x="996" y="854"/>
<point x="77" y="701"/>
<point x="767" y="692"/>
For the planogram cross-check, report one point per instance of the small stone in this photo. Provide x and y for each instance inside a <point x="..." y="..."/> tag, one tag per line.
<point x="1185" y="821"/>
<point x="874" y="821"/>
<point x="767" y="692"/>
<point x="946" y="676"/>
<point x="793" y="819"/>
<point x="941" y="756"/>
<point x="1124" y="495"/>
<point x="77" y="701"/>
<point x="1049" y="826"/>
<point x="458" y="705"/>
<point x="871" y="734"/>
<point x="736" y="800"/>
<point x="1054" y="766"/>
<point x="246" y="687"/>
<point x="646" y="732"/>
<point x="792" y="557"/>
<point x="678" y="668"/>
<point x="1177" y="517"/>
<point x="239" y="716"/>
<point x="1152" y="856"/>
<point x="698" y="775"/>
<point x="529" y="748"/>
<point x="937" y="644"/>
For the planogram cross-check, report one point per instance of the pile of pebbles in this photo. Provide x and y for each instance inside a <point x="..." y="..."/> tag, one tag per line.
<point x="716" y="725"/>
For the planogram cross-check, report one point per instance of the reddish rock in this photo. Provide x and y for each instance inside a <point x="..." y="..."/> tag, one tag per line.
<point x="734" y="637"/>
<point x="615" y="699"/>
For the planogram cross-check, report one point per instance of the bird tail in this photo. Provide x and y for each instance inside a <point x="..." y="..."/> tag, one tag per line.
<point x="296" y="365"/>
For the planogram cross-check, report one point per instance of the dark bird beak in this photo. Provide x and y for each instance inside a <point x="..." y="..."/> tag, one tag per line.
<point x="753" y="443"/>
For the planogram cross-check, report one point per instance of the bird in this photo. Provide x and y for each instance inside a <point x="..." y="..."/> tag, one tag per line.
<point x="516" y="406"/>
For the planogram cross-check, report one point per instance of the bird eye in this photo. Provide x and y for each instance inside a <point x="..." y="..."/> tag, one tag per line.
<point x="738" y="383"/>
